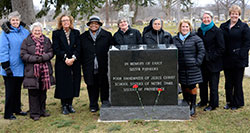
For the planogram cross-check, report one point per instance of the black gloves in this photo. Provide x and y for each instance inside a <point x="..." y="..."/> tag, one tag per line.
<point x="6" y="67"/>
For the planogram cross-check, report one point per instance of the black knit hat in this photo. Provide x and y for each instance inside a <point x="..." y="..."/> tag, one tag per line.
<point x="94" y="19"/>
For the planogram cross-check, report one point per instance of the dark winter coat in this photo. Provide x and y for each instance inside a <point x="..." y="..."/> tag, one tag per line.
<point x="90" y="49"/>
<point x="130" y="37"/>
<point x="190" y="56"/>
<point x="237" y="43"/>
<point x="29" y="58"/>
<point x="150" y="37"/>
<point x="214" y="45"/>
<point x="68" y="78"/>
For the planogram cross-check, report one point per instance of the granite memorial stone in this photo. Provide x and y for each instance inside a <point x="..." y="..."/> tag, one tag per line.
<point x="150" y="70"/>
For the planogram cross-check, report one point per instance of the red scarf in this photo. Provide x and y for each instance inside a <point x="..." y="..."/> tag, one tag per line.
<point x="41" y="69"/>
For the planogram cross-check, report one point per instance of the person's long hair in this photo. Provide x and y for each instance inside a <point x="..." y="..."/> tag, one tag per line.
<point x="59" y="22"/>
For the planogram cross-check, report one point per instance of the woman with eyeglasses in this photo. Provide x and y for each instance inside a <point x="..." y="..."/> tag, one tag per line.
<point x="66" y="47"/>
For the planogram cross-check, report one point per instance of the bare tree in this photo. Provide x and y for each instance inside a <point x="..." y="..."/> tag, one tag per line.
<point x="217" y="8"/>
<point x="243" y="4"/>
<point x="25" y="8"/>
<point x="226" y="4"/>
<point x="107" y="12"/>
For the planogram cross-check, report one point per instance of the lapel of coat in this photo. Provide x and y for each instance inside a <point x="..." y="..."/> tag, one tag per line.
<point x="99" y="35"/>
<point x="63" y="38"/>
<point x="71" y="38"/>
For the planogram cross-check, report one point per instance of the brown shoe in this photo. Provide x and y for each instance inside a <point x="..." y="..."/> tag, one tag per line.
<point x="36" y="118"/>
<point x="45" y="115"/>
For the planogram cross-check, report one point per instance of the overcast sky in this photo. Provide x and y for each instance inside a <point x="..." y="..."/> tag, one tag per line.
<point x="197" y="2"/>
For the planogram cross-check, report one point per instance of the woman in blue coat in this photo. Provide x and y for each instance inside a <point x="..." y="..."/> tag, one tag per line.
<point x="12" y="67"/>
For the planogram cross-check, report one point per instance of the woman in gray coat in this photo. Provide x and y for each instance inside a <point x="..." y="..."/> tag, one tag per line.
<point x="190" y="55"/>
<point x="36" y="53"/>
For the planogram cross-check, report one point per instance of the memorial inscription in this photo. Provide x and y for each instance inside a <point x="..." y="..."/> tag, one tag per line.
<point x="150" y="70"/>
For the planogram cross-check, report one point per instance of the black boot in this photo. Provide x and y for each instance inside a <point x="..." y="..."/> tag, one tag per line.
<point x="193" y="104"/>
<point x="71" y="109"/>
<point x="65" y="110"/>
<point x="185" y="96"/>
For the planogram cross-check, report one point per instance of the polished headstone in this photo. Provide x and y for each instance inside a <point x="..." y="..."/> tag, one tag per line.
<point x="149" y="68"/>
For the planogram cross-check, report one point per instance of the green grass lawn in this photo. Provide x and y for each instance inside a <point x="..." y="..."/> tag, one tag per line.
<point x="219" y="120"/>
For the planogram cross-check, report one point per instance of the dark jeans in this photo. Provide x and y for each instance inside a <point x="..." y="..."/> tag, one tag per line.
<point x="210" y="79"/>
<point x="233" y="86"/>
<point x="100" y="85"/>
<point x="12" y="95"/>
<point x="37" y="102"/>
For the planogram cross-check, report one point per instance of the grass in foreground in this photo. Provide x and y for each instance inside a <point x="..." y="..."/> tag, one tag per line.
<point x="219" y="120"/>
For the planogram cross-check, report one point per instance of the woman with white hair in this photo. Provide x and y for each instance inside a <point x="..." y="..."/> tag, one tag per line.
<point x="126" y="35"/>
<point x="211" y="66"/>
<point x="12" y="67"/>
<point x="36" y="53"/>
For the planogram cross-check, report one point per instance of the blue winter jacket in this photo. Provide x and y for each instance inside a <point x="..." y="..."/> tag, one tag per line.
<point x="10" y="46"/>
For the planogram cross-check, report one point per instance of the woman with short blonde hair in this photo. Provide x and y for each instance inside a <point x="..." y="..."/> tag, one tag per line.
<point x="236" y="35"/>
<point x="190" y="56"/>
<point x="185" y="21"/>
<point x="235" y="8"/>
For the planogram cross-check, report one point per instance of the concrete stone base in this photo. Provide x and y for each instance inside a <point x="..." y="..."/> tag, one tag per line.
<point x="167" y="112"/>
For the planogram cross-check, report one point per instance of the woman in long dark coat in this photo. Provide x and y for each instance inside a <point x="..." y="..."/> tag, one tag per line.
<point x="95" y="45"/>
<point x="237" y="42"/>
<point x="190" y="55"/>
<point x="66" y="47"/>
<point x="36" y="53"/>
<point x="213" y="41"/>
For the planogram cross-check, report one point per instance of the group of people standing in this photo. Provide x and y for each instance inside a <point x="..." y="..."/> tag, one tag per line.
<point x="25" y="58"/>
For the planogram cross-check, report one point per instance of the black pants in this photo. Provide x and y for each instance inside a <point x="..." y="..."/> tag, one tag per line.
<point x="100" y="85"/>
<point x="233" y="86"/>
<point x="210" y="79"/>
<point x="12" y="95"/>
<point x="66" y="101"/>
<point x="37" y="102"/>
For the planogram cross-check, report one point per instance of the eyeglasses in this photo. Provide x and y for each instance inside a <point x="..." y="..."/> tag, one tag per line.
<point x="66" y="20"/>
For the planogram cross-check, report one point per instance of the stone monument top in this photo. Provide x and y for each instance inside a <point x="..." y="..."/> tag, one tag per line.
<point x="126" y="13"/>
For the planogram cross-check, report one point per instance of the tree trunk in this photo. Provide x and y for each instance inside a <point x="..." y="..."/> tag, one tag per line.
<point x="136" y="13"/>
<point x="107" y="12"/>
<point x="243" y="7"/>
<point x="26" y="9"/>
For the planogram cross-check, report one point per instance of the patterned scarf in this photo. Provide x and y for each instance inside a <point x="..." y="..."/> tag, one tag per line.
<point x="41" y="69"/>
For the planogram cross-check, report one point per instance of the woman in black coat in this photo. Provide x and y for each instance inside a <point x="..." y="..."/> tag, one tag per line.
<point x="127" y="35"/>
<point x="190" y="55"/>
<point x="66" y="47"/>
<point x="212" y="64"/>
<point x="154" y="34"/>
<point x="237" y="42"/>
<point x="95" y="45"/>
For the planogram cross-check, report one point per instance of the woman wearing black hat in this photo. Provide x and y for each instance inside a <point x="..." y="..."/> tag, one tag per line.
<point x="95" y="44"/>
<point x="67" y="67"/>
